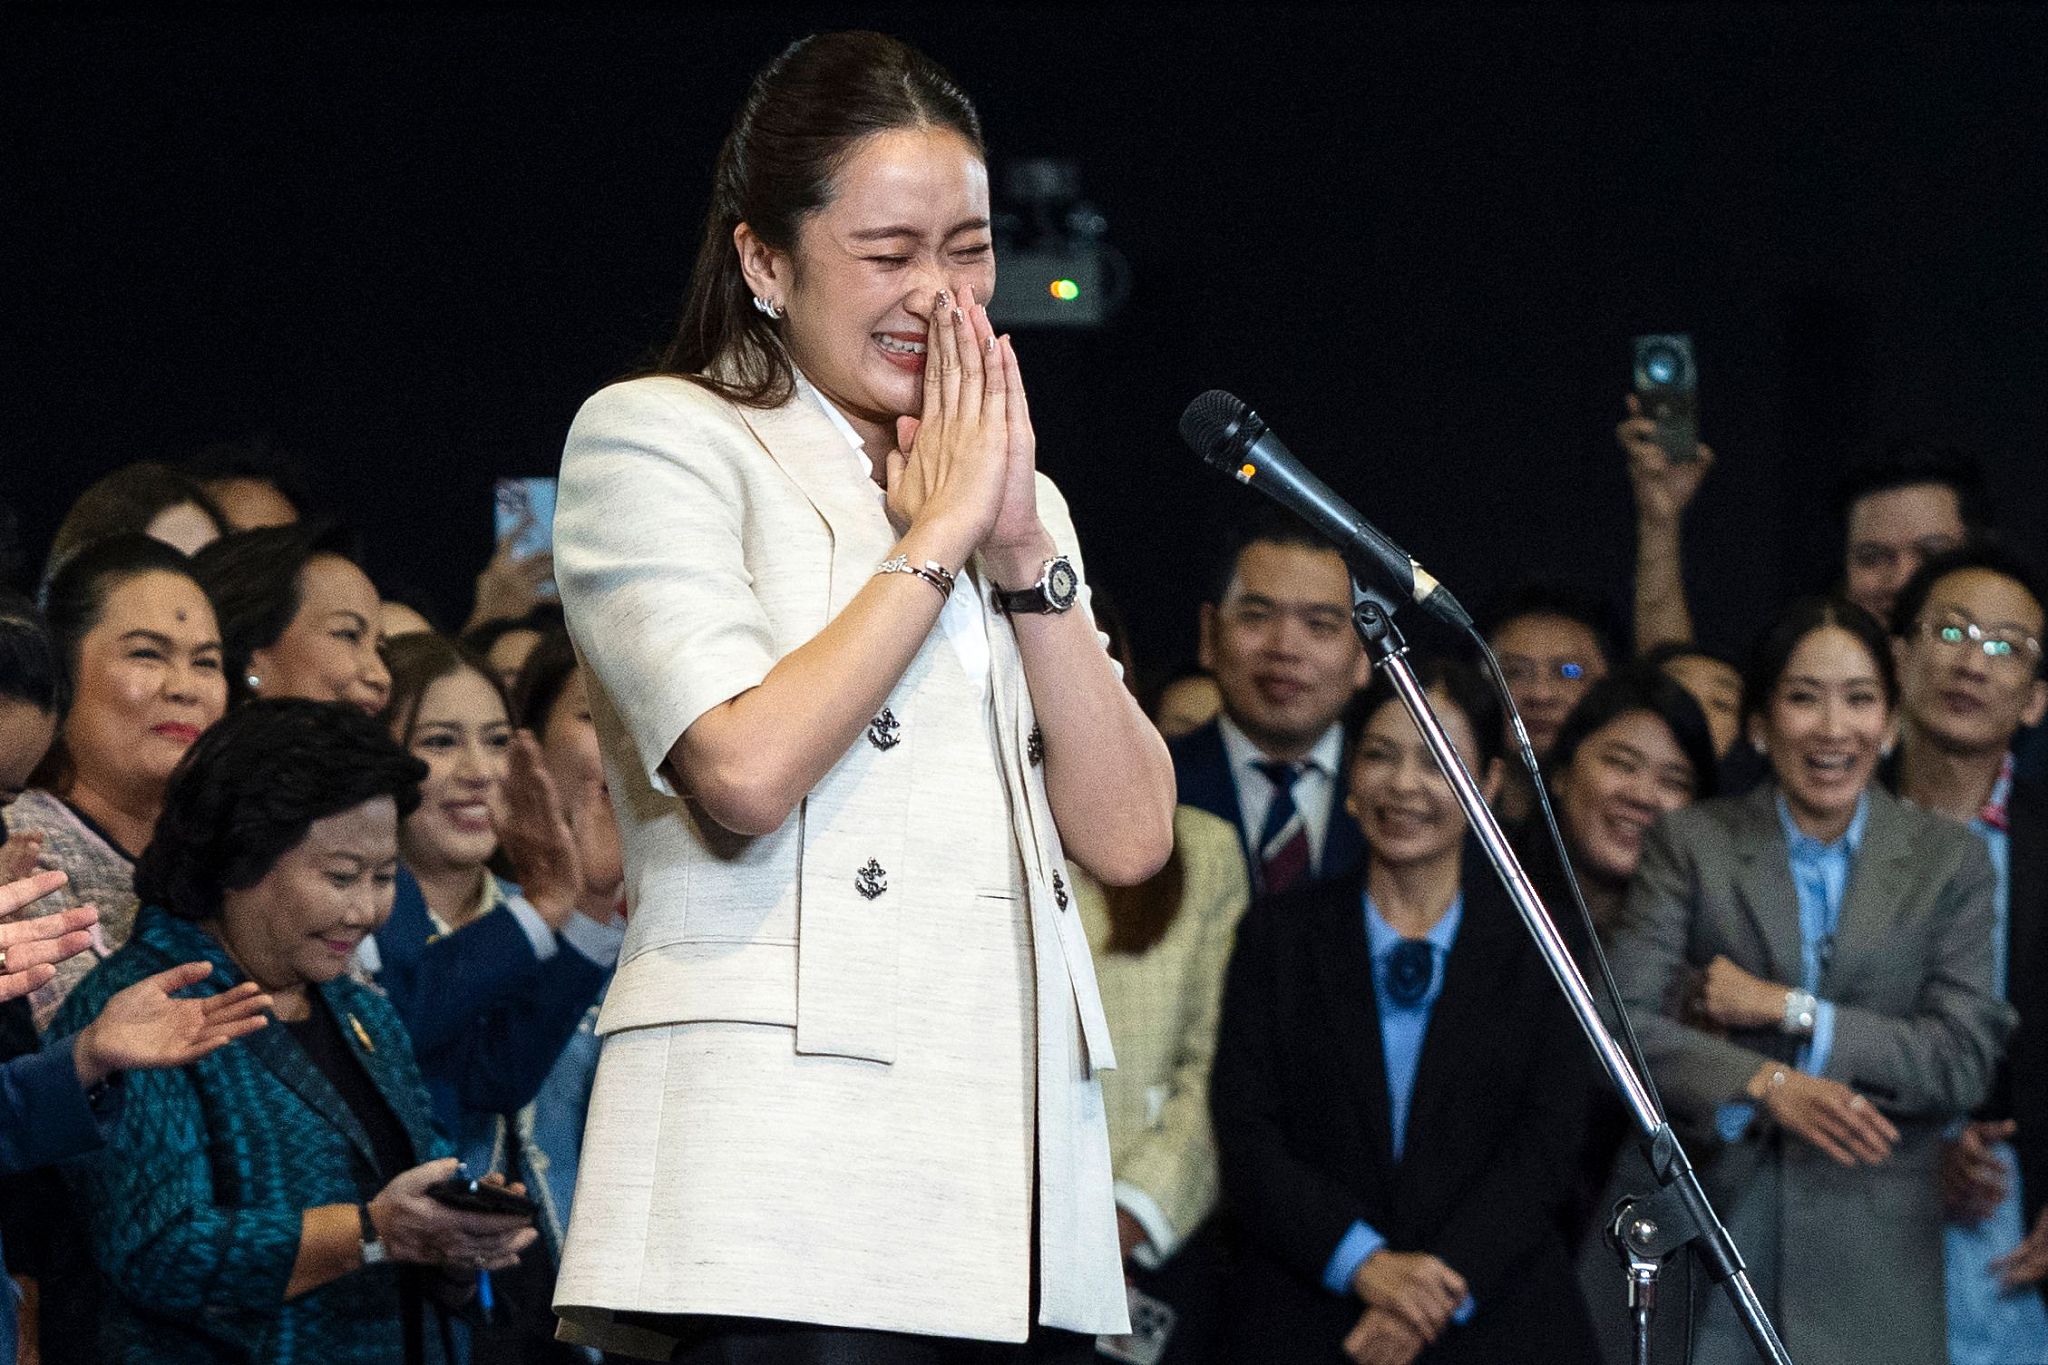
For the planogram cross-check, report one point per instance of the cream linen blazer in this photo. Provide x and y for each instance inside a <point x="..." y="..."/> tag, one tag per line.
<point x="698" y="542"/>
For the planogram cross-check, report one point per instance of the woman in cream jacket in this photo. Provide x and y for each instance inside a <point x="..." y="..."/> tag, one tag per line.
<point x="855" y="717"/>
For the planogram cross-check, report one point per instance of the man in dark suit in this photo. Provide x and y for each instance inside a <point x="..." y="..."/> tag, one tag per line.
<point x="1969" y="627"/>
<point x="1277" y="637"/>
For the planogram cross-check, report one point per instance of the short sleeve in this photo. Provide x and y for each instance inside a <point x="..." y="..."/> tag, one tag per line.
<point x="1059" y="524"/>
<point x="649" y="557"/>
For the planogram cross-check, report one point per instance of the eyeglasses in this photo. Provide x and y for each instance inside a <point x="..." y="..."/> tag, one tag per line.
<point x="2000" y="646"/>
<point x="1522" y="670"/>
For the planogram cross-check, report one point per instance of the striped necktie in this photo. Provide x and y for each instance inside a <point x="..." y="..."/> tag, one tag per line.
<point x="1283" y="843"/>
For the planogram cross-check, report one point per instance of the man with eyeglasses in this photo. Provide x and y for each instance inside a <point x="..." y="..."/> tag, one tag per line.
<point x="1968" y="630"/>
<point x="1552" y="645"/>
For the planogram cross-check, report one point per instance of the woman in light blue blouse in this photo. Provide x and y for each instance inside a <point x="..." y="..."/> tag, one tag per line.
<point x="1809" y="969"/>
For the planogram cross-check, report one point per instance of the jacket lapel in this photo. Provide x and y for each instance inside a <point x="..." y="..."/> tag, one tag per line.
<point x="816" y="456"/>
<point x="1880" y="880"/>
<point x="1351" y="1010"/>
<point x="1763" y="883"/>
<point x="178" y="940"/>
<point x="281" y="1053"/>
<point x="381" y="1049"/>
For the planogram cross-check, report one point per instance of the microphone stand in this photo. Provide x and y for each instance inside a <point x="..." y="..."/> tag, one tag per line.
<point x="1647" y="1232"/>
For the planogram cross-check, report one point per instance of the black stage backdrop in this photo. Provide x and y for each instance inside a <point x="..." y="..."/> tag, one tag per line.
<point x="408" y="242"/>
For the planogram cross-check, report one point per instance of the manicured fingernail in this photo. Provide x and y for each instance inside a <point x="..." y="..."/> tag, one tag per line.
<point x="944" y="298"/>
<point x="989" y="345"/>
<point x="959" y="318"/>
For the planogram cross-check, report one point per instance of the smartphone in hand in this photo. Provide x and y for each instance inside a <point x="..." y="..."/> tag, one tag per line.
<point x="471" y="1195"/>
<point x="524" y="510"/>
<point x="1667" y="385"/>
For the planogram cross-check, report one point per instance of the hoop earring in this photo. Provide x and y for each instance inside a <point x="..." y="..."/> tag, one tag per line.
<point x="768" y="308"/>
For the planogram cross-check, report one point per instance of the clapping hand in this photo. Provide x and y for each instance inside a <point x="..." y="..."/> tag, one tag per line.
<point x="1828" y="1114"/>
<point x="31" y="948"/>
<point x="146" y="1027"/>
<point x="566" y="859"/>
<point x="19" y="853"/>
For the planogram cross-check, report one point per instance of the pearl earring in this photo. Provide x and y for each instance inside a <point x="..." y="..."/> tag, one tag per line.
<point x="253" y="681"/>
<point x="769" y="308"/>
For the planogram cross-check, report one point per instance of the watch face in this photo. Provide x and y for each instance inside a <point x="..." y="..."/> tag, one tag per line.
<point x="1062" y="586"/>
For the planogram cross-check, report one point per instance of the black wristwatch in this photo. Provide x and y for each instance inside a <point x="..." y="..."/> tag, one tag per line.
<point x="1057" y="589"/>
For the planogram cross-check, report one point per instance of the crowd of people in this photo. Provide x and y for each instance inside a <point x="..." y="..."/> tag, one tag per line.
<point x="327" y="937"/>
<point x="245" y="789"/>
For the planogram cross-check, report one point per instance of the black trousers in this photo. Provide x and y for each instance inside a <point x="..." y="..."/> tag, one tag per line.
<point x="757" y="1341"/>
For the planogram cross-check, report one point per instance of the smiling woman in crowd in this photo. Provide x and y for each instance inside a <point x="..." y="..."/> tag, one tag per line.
<point x="141" y="659"/>
<point x="1398" y="1087"/>
<point x="1810" y="971"/>
<point x="298" y="616"/>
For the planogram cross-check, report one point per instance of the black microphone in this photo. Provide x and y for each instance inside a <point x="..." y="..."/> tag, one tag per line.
<point x="1225" y="433"/>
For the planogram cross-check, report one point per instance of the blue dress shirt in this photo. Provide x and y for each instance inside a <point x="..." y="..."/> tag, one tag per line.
<point x="1989" y="1324"/>
<point x="1402" y="1031"/>
<point x="1820" y="876"/>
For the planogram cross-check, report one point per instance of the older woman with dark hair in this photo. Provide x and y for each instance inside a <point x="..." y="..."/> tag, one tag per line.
<point x="268" y="1202"/>
<point x="139" y="677"/>
<point x="298" y="615"/>
<point x="1810" y="971"/>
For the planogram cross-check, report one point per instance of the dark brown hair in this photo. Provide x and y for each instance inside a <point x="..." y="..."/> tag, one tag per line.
<point x="128" y="499"/>
<point x="802" y="116"/>
<point x="417" y="662"/>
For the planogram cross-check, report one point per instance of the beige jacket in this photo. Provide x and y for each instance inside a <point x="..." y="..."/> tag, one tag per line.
<point x="1162" y="1006"/>
<point x="697" y="543"/>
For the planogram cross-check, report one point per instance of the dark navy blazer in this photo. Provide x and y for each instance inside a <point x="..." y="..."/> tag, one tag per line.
<point x="1201" y="770"/>
<point x="487" y="1017"/>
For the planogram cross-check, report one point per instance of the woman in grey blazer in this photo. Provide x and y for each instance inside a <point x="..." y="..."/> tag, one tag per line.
<point x="854" y="718"/>
<point x="1809" y="967"/>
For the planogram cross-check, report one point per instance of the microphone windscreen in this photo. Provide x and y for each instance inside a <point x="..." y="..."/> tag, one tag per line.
<point x="1208" y="424"/>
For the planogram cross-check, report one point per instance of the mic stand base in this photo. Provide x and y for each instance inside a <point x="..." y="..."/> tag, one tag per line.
<point x="1680" y="1209"/>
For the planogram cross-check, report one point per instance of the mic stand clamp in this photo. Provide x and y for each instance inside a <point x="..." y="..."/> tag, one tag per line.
<point x="1679" y="1213"/>
<point x="1645" y="1234"/>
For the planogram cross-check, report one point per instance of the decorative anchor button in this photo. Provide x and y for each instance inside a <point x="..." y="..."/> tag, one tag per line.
<point x="885" y="732"/>
<point x="1059" y="889"/>
<point x="872" y="880"/>
<point x="1034" y="747"/>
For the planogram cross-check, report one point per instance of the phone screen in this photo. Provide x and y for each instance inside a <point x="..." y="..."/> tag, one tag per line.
<point x="524" y="509"/>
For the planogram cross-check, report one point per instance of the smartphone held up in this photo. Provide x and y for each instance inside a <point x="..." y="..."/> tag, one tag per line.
<point x="1667" y="386"/>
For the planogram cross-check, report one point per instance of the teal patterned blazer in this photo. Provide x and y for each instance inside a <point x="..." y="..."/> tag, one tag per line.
<point x="195" y="1202"/>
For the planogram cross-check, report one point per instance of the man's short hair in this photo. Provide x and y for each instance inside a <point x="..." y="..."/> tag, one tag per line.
<point x="1545" y="597"/>
<point x="1911" y="463"/>
<point x="1273" y="526"/>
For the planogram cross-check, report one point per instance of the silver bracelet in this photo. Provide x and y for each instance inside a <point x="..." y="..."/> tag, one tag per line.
<point x="931" y="571"/>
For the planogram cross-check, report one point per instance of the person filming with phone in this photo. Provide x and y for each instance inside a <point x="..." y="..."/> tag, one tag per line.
<point x="276" y="1200"/>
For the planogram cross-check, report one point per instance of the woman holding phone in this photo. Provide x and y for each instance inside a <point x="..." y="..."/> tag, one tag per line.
<point x="840" y="657"/>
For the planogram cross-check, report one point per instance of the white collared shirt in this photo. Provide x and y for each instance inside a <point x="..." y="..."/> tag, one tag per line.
<point x="964" y="618"/>
<point x="1315" y="791"/>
